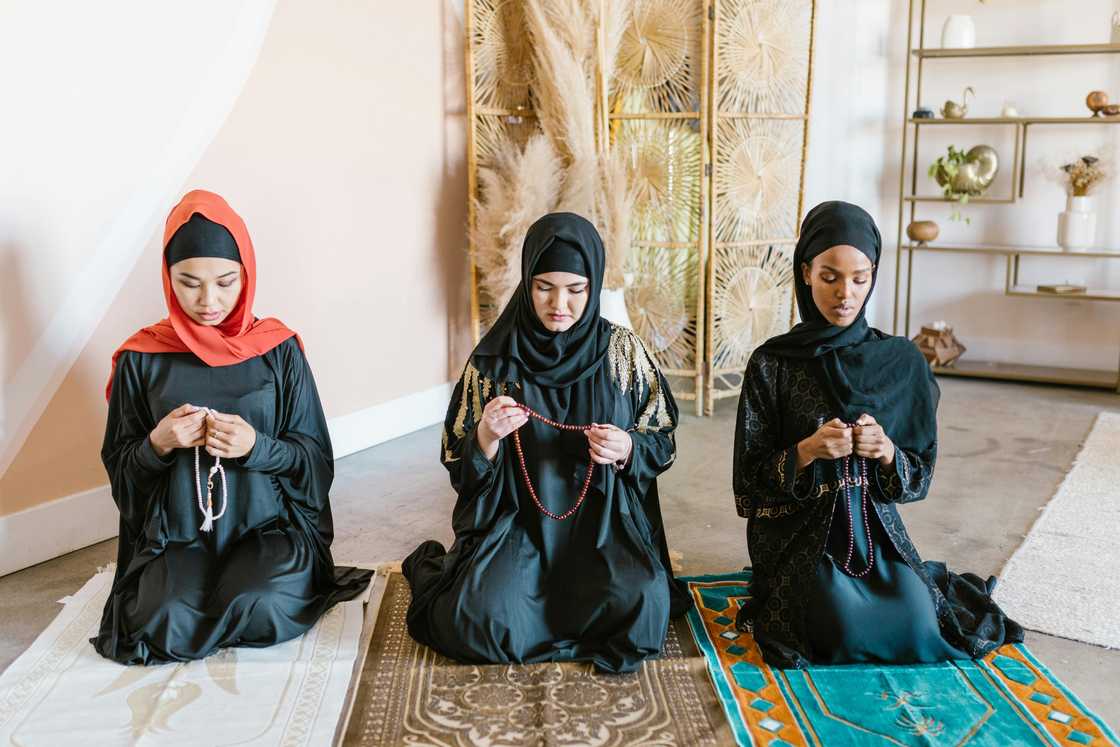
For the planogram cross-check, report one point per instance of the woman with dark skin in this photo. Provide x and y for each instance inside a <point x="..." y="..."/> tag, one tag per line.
<point x="534" y="574"/>
<point x="836" y="426"/>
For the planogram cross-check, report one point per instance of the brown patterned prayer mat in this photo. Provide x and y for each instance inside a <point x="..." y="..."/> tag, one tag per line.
<point x="408" y="694"/>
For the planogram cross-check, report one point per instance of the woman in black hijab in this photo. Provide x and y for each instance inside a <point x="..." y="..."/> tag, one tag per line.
<point x="837" y="423"/>
<point x="535" y="573"/>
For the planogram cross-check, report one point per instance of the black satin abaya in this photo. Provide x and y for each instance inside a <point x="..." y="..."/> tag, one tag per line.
<point x="516" y="585"/>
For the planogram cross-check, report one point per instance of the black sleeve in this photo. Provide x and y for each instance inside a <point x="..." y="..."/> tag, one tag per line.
<point x="133" y="466"/>
<point x="654" y="445"/>
<point x="299" y="456"/>
<point x="476" y="480"/>
<point x="764" y="472"/>
<point x="908" y="479"/>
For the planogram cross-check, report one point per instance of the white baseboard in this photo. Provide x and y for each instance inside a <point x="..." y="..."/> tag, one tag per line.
<point x="388" y="420"/>
<point x="51" y="529"/>
<point x="60" y="526"/>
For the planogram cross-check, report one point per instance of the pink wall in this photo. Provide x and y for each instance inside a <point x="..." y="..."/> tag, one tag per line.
<point x="344" y="153"/>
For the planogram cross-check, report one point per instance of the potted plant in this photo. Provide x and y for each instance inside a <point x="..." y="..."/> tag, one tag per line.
<point x="1078" y="223"/>
<point x="964" y="174"/>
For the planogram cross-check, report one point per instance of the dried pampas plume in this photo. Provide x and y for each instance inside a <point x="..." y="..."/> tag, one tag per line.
<point x="566" y="69"/>
<point x="617" y="196"/>
<point x="518" y="188"/>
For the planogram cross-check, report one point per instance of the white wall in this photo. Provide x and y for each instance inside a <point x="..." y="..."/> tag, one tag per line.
<point x="107" y="108"/>
<point x="855" y="141"/>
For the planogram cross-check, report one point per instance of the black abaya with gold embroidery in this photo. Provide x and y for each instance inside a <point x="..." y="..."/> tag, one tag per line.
<point x="516" y="585"/>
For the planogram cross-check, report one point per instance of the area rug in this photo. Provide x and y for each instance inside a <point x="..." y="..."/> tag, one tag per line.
<point x="411" y="695"/>
<point x="1008" y="698"/>
<point x="60" y="691"/>
<point x="1063" y="579"/>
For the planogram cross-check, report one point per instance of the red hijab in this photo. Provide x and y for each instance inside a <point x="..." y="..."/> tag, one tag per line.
<point x="241" y="335"/>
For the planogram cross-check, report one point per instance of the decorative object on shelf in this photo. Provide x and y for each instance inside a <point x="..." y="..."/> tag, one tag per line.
<point x="923" y="113"/>
<point x="612" y="303"/>
<point x="958" y="32"/>
<point x="1096" y="101"/>
<point x="1062" y="289"/>
<point x="1111" y="110"/>
<point x="1009" y="111"/>
<point x="963" y="175"/>
<point x="1077" y="225"/>
<point x="953" y="110"/>
<point x="939" y="345"/>
<point x="922" y="231"/>
<point x="1083" y="174"/>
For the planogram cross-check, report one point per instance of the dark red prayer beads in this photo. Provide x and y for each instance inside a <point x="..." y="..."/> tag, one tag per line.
<point x="525" y="472"/>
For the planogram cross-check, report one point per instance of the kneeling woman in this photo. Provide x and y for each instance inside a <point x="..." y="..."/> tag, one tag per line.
<point x="837" y="424"/>
<point x="559" y="549"/>
<point x="220" y="463"/>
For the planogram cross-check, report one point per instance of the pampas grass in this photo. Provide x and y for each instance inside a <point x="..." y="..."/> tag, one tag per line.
<point x="614" y="209"/>
<point x="520" y="187"/>
<point x="566" y="64"/>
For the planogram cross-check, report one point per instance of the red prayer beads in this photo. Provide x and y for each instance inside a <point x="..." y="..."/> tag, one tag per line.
<point x="845" y="482"/>
<point x="525" y="472"/>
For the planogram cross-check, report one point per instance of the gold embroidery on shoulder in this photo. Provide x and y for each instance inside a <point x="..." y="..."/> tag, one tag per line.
<point x="631" y="365"/>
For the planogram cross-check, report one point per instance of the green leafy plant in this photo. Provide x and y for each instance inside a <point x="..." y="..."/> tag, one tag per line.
<point x="944" y="171"/>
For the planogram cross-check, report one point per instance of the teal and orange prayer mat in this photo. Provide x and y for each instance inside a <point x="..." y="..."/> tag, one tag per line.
<point x="1006" y="698"/>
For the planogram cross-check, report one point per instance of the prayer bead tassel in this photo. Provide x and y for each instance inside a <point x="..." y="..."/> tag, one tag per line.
<point x="207" y="507"/>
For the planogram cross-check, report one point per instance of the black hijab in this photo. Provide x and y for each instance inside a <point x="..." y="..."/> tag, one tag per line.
<point x="201" y="237"/>
<point x="557" y="242"/>
<point x="861" y="369"/>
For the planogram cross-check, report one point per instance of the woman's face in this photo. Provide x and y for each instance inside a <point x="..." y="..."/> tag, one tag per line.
<point x="207" y="288"/>
<point x="840" y="279"/>
<point x="559" y="299"/>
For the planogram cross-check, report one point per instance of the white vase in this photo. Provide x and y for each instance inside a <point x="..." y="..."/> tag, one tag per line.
<point x="1077" y="226"/>
<point x="612" y="307"/>
<point x="958" y="33"/>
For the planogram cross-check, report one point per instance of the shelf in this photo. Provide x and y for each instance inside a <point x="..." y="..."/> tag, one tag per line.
<point x="1015" y="120"/>
<point x="1022" y="251"/>
<point x="971" y="201"/>
<point x="1026" y="51"/>
<point x="1031" y="291"/>
<point x="1035" y="374"/>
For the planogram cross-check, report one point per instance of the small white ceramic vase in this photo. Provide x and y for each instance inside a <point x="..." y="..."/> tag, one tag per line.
<point x="1077" y="226"/>
<point x="958" y="33"/>
<point x="612" y="303"/>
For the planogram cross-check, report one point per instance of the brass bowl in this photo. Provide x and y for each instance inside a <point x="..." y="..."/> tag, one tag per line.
<point x="1111" y="110"/>
<point x="922" y="231"/>
<point x="1096" y="101"/>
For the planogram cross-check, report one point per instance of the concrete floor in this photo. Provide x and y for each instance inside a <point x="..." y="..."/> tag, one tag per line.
<point x="1004" y="449"/>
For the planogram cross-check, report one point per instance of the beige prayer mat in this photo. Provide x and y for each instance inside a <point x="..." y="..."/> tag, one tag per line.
<point x="1063" y="579"/>
<point x="410" y="695"/>
<point x="60" y="691"/>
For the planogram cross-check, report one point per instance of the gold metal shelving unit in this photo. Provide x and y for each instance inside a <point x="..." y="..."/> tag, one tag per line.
<point x="909" y="200"/>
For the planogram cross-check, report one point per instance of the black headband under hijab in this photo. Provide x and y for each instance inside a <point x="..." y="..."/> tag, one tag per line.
<point x="551" y="359"/>
<point x="561" y="256"/>
<point x="201" y="237"/>
<point x="861" y="369"/>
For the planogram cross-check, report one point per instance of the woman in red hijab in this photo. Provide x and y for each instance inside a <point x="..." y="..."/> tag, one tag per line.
<point x="220" y="463"/>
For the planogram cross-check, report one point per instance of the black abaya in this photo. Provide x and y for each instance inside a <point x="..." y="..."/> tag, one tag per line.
<point x="517" y="586"/>
<point x="265" y="573"/>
